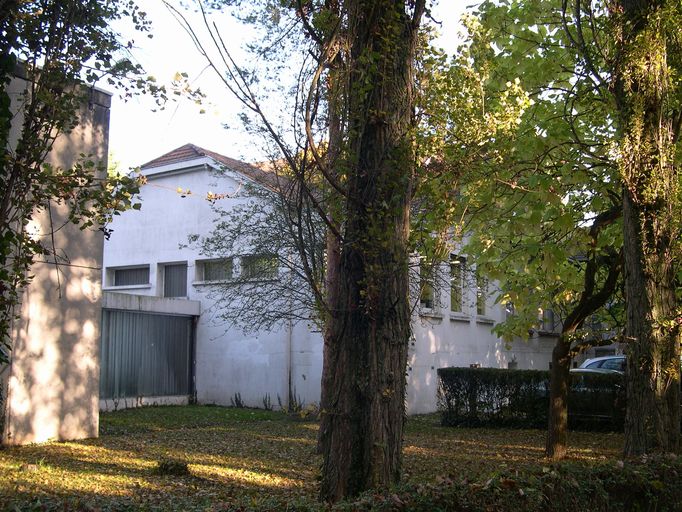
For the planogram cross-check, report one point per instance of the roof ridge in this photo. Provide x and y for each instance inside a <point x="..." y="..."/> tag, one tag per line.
<point x="191" y="151"/>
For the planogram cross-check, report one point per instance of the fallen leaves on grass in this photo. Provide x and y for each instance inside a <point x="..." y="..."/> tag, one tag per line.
<point x="234" y="455"/>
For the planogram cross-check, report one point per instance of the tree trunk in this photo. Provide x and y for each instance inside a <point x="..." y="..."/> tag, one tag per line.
<point x="363" y="395"/>
<point x="651" y="228"/>
<point x="560" y="381"/>
<point x="591" y="299"/>
<point x="652" y="421"/>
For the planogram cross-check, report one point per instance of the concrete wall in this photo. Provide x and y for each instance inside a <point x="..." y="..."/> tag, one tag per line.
<point x="254" y="365"/>
<point x="52" y="382"/>
<point x="228" y="361"/>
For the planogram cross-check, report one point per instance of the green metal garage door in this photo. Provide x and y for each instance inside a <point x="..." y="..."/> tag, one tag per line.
<point x="145" y="354"/>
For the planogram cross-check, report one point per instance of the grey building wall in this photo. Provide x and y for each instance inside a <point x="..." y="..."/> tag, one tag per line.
<point x="52" y="381"/>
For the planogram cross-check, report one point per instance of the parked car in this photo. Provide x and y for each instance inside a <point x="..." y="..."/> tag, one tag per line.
<point x="605" y="364"/>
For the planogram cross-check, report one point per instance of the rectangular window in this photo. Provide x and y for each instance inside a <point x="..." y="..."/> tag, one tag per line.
<point x="131" y="276"/>
<point x="427" y="292"/>
<point x="548" y="321"/>
<point x="457" y="267"/>
<point x="259" y="266"/>
<point x="481" y="293"/>
<point x="218" y="270"/>
<point x="175" y="280"/>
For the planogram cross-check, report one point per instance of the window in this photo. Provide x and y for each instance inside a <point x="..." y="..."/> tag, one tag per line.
<point x="175" y="280"/>
<point x="131" y="276"/>
<point x="481" y="294"/>
<point x="546" y="320"/>
<point x="457" y="267"/>
<point x="217" y="270"/>
<point x="259" y="266"/>
<point x="616" y="363"/>
<point x="427" y="292"/>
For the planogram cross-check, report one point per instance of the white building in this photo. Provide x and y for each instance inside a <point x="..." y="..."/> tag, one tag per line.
<point x="144" y="257"/>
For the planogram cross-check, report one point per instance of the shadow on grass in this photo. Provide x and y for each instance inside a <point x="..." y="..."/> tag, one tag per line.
<point x="238" y="454"/>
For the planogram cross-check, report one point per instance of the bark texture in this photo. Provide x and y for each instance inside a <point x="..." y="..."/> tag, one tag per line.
<point x="649" y="125"/>
<point x="595" y="295"/>
<point x="363" y="383"/>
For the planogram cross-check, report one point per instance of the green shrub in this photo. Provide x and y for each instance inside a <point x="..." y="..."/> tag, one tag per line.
<point x="491" y="396"/>
<point x="520" y="398"/>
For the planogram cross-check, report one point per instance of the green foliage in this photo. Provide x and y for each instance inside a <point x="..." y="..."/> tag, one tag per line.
<point x="58" y="50"/>
<point x="498" y="397"/>
<point x="528" y="145"/>
<point x="172" y="467"/>
<point x="492" y="396"/>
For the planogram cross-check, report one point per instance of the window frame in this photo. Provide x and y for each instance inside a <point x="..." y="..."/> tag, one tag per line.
<point x="457" y="292"/>
<point x="203" y="265"/>
<point x="271" y="274"/>
<point x="112" y="273"/>
<point x="165" y="285"/>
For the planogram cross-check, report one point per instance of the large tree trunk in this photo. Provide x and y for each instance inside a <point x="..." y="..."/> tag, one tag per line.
<point x="652" y="421"/>
<point x="648" y="138"/>
<point x="363" y="387"/>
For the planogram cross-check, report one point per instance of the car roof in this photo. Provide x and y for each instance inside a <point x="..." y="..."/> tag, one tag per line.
<point x="601" y="358"/>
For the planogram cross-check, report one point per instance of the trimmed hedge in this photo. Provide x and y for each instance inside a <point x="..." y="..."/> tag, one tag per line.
<point x="475" y="397"/>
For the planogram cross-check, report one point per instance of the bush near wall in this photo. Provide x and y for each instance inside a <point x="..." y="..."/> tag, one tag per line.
<point x="520" y="398"/>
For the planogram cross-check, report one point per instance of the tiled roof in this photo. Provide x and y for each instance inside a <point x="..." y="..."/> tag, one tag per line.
<point x="191" y="152"/>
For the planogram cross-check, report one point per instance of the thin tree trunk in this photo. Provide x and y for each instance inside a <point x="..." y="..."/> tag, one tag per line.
<point x="591" y="299"/>
<point x="560" y="380"/>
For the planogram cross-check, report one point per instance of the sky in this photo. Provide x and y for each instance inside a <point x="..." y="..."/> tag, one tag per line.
<point x="138" y="134"/>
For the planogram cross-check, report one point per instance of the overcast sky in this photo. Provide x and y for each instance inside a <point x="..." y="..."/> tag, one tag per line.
<point x="137" y="134"/>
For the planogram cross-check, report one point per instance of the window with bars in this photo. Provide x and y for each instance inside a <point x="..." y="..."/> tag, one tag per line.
<point x="457" y="269"/>
<point x="131" y="276"/>
<point x="175" y="280"/>
<point x="217" y="270"/>
<point x="259" y="266"/>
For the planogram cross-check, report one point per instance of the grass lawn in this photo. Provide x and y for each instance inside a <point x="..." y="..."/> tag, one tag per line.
<point x="246" y="456"/>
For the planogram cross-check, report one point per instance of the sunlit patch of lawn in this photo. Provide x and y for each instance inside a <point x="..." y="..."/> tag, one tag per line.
<point x="237" y="454"/>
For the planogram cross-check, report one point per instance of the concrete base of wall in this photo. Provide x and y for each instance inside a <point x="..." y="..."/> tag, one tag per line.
<point x="117" y="404"/>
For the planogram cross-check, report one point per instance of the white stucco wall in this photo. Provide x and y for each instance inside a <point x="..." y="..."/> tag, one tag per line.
<point x="52" y="381"/>
<point x="229" y="361"/>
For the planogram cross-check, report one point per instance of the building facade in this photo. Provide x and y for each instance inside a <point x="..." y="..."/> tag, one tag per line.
<point x="148" y="255"/>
